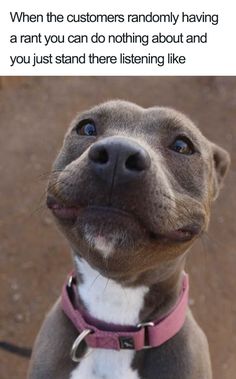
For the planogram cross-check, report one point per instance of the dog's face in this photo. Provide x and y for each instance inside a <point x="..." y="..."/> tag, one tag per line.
<point x="132" y="187"/>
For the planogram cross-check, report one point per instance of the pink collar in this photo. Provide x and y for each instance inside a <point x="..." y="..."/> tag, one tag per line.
<point x="98" y="334"/>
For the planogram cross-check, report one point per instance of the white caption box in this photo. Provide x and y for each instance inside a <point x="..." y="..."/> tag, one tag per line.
<point x="161" y="37"/>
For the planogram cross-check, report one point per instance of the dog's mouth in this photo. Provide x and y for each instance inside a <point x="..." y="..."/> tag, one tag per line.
<point x="70" y="214"/>
<point x="62" y="211"/>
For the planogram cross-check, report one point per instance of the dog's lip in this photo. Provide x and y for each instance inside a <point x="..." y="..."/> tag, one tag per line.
<point x="184" y="234"/>
<point x="70" y="212"/>
<point x="62" y="210"/>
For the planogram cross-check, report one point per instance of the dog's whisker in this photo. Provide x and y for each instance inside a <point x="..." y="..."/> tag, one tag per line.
<point x="206" y="265"/>
<point x="106" y="285"/>
<point x="48" y="175"/>
<point x="216" y="243"/>
<point x="36" y="210"/>
<point x="93" y="282"/>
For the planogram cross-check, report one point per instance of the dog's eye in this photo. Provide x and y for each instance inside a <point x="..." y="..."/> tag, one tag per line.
<point x="86" y="128"/>
<point x="182" y="145"/>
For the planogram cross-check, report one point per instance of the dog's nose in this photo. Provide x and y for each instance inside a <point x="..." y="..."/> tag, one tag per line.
<point x="120" y="158"/>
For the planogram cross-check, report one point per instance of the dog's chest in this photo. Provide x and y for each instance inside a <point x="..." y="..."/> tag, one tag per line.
<point x="106" y="364"/>
<point x="110" y="302"/>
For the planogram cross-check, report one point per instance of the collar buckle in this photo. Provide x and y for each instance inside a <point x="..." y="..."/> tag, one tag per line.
<point x="145" y="325"/>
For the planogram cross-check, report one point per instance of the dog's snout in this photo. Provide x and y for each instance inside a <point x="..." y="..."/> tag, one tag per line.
<point x="120" y="157"/>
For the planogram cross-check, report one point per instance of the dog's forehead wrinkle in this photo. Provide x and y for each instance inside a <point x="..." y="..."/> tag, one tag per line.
<point x="165" y="113"/>
<point x="113" y="110"/>
<point x="169" y="119"/>
<point x="119" y="106"/>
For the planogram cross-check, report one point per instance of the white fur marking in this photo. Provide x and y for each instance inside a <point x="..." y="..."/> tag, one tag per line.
<point x="103" y="245"/>
<point x="100" y="243"/>
<point x="108" y="301"/>
<point x="106" y="364"/>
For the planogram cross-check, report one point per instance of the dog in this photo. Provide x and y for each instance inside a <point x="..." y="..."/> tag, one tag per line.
<point x="131" y="189"/>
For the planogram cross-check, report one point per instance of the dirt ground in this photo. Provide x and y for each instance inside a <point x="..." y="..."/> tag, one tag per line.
<point x="34" y="258"/>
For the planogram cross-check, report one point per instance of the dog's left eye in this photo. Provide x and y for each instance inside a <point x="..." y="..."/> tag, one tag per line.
<point x="86" y="128"/>
<point x="182" y="145"/>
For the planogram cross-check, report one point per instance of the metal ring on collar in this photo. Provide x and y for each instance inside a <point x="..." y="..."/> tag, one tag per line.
<point x="70" y="280"/>
<point x="76" y="344"/>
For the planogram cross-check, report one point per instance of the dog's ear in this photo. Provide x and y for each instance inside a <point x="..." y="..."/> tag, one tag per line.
<point x="221" y="162"/>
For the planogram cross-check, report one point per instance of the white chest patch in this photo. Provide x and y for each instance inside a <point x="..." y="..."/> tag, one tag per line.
<point x="108" y="301"/>
<point x="106" y="364"/>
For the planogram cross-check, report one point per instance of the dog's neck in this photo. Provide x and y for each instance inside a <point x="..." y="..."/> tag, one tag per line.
<point x="150" y="299"/>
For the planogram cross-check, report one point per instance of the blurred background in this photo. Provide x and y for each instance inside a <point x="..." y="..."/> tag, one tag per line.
<point x="34" y="257"/>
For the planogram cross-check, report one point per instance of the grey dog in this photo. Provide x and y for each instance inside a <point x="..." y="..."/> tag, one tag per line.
<point x="131" y="189"/>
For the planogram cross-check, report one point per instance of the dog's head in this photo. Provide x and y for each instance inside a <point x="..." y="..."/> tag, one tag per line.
<point x="132" y="187"/>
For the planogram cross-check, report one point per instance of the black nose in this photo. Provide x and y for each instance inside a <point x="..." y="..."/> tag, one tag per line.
<point x="119" y="158"/>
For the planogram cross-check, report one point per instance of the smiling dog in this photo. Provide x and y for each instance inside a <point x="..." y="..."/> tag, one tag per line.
<point x="131" y="189"/>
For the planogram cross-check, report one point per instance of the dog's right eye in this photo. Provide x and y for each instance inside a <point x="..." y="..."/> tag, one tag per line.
<point x="86" y="128"/>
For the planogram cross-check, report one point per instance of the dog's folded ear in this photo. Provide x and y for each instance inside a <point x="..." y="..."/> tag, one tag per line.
<point x="221" y="162"/>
